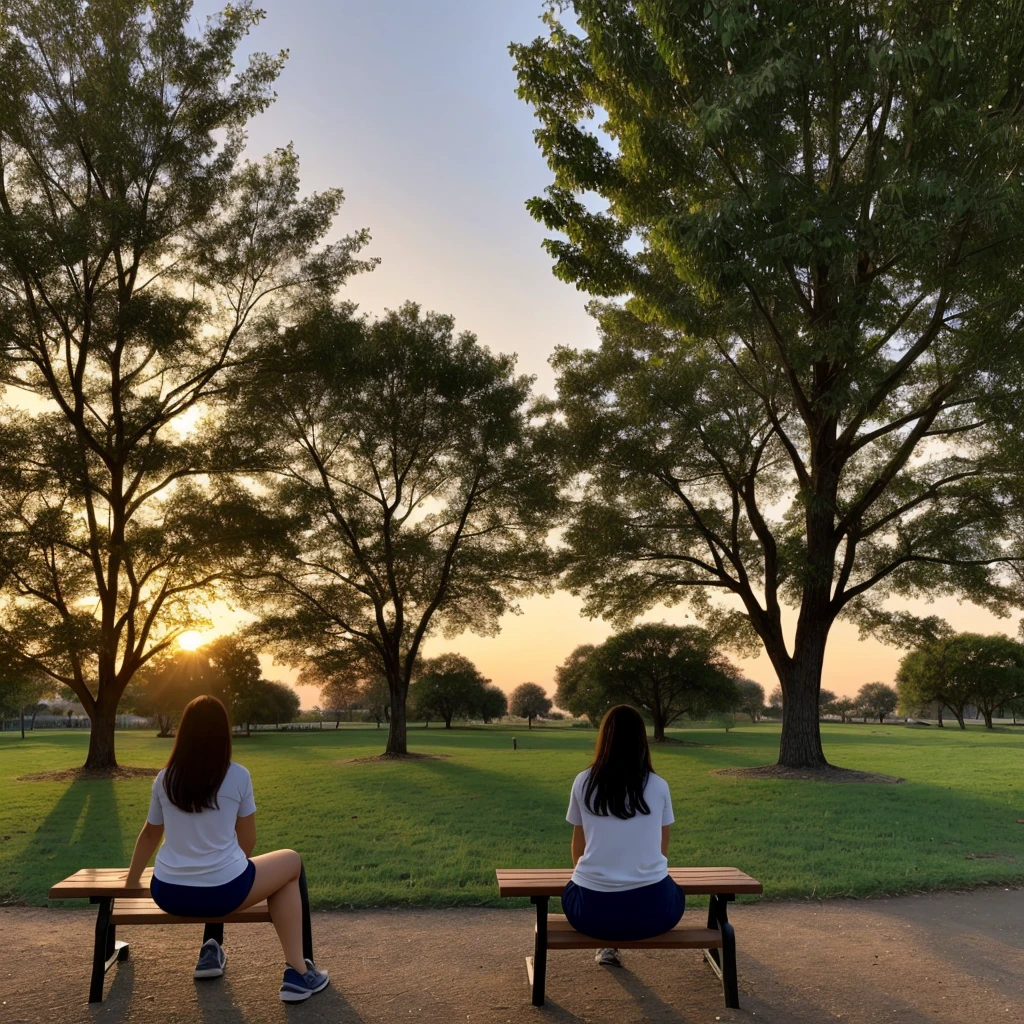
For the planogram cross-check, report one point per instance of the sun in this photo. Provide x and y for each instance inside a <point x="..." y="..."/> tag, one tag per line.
<point x="190" y="640"/>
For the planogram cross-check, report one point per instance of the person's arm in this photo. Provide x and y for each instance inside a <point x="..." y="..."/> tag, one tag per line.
<point x="145" y="846"/>
<point x="664" y="840"/>
<point x="245" y="829"/>
<point x="579" y="843"/>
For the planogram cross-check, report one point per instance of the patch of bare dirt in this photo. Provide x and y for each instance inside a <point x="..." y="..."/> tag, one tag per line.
<point x="118" y="774"/>
<point x="392" y="758"/>
<point x="827" y="774"/>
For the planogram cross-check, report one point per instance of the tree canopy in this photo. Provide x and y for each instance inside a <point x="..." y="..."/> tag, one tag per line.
<point x="529" y="701"/>
<point x="135" y="247"/>
<point x="878" y="699"/>
<point x="813" y="211"/>
<point x="667" y="672"/>
<point x="447" y="687"/>
<point x="961" y="669"/>
<point x="415" y="492"/>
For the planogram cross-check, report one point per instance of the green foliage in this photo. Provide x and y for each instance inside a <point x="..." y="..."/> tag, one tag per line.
<point x="667" y="672"/>
<point x="751" y="698"/>
<point x="135" y="248"/>
<point x="962" y="669"/>
<point x="877" y="699"/>
<point x="166" y="684"/>
<point x="577" y="689"/>
<point x="446" y="687"/>
<point x="814" y="213"/>
<point x="493" y="704"/>
<point x="412" y="490"/>
<point x="529" y="701"/>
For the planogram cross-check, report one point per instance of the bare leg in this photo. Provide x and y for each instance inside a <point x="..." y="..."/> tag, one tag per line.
<point x="277" y="882"/>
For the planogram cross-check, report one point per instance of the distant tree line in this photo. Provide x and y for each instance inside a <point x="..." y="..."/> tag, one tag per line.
<point x="958" y="670"/>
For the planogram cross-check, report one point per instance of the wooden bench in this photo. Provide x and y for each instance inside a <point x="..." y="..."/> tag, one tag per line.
<point x="554" y="932"/>
<point x="121" y="905"/>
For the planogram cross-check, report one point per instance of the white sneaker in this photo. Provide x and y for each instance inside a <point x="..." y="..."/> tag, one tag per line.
<point x="608" y="957"/>
<point x="211" y="960"/>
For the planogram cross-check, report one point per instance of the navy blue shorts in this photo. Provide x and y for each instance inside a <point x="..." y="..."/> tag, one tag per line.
<point x="204" y="901"/>
<point x="626" y="916"/>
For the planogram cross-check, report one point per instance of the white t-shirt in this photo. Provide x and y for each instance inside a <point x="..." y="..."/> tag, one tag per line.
<point x="621" y="853"/>
<point x="202" y="848"/>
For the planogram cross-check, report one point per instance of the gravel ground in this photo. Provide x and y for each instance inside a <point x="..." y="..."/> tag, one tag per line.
<point x="952" y="957"/>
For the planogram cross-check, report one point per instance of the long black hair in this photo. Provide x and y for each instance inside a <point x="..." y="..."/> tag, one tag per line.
<point x="621" y="766"/>
<point x="201" y="756"/>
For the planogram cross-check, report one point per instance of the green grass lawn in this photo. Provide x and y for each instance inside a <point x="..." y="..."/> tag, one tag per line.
<point x="430" y="833"/>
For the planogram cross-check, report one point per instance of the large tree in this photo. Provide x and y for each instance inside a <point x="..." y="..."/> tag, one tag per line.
<point x="814" y="211"/>
<point x="135" y="246"/>
<point x="414" y="492"/>
<point x="577" y="689"/>
<point x="162" y="688"/>
<point x="962" y="669"/>
<point x="529" y="701"/>
<point x="877" y="699"/>
<point x="667" y="671"/>
<point x="447" y="687"/>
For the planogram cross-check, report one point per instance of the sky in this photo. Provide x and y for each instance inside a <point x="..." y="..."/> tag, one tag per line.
<point x="409" y="106"/>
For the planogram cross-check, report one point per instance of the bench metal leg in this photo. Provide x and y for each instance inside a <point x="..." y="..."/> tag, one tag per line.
<point x="537" y="970"/>
<point x="724" y="964"/>
<point x="307" y="924"/>
<point x="106" y="950"/>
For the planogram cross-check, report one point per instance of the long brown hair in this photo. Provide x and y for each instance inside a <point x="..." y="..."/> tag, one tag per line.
<point x="201" y="755"/>
<point x="621" y="766"/>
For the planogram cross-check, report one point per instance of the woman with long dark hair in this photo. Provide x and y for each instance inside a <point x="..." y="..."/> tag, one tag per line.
<point x="620" y="811"/>
<point x="203" y="808"/>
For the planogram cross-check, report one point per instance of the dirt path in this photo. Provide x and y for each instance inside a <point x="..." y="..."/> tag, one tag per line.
<point x="955" y="957"/>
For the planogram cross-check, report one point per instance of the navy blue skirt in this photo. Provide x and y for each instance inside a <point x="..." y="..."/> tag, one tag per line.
<point x="204" y="901"/>
<point x="624" y="916"/>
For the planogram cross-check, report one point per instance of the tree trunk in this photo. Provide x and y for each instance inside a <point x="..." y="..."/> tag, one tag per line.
<point x="529" y="721"/>
<point x="659" y="729"/>
<point x="941" y="725"/>
<point x="101" y="736"/>
<point x="960" y="719"/>
<point x="22" y="723"/>
<point x="881" y="719"/>
<point x="448" y="723"/>
<point x="987" y="714"/>
<point x="800" y="743"/>
<point x="398" y="743"/>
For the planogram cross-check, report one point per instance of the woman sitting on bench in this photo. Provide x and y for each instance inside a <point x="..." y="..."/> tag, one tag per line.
<point x="620" y="812"/>
<point x="203" y="807"/>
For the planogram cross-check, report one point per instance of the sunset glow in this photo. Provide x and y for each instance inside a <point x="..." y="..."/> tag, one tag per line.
<point x="190" y="640"/>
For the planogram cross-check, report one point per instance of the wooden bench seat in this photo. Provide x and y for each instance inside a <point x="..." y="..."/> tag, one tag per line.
<point x="562" y="935"/>
<point x="121" y="905"/>
<point x="136" y="910"/>
<point x="553" y="931"/>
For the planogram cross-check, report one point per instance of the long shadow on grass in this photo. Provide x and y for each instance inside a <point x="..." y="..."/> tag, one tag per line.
<point x="82" y="829"/>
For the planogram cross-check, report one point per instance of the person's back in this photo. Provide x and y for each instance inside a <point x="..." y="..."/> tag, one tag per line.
<point x="621" y="853"/>
<point x="201" y="848"/>
<point x="621" y="812"/>
<point x="203" y="809"/>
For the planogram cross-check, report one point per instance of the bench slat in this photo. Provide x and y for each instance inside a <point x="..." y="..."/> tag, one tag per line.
<point x="99" y="882"/>
<point x="695" y="881"/>
<point x="562" y="935"/>
<point x="145" y="911"/>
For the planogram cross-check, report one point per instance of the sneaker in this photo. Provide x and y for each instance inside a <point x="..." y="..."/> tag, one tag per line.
<point x="211" y="960"/>
<point x="608" y="958"/>
<point x="297" y="987"/>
